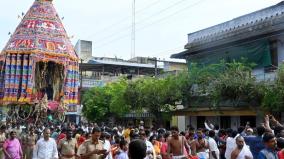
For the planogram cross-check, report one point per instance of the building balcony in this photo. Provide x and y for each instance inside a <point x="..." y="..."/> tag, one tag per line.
<point x="89" y="83"/>
<point x="271" y="76"/>
<point x="267" y="75"/>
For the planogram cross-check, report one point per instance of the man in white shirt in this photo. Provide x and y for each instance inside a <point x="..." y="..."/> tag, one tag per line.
<point x="230" y="143"/>
<point x="213" y="148"/>
<point x="150" y="152"/>
<point x="85" y="128"/>
<point x="46" y="147"/>
<point x="107" y="145"/>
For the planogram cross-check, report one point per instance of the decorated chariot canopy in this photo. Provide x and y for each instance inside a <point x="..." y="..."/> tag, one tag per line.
<point x="39" y="60"/>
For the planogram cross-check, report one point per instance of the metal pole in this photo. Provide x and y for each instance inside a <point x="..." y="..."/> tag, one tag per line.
<point x="81" y="74"/>
<point x="156" y="66"/>
<point x="133" y="36"/>
<point x="81" y="85"/>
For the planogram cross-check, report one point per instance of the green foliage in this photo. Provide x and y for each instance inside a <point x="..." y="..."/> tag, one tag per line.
<point x="146" y="94"/>
<point x="134" y="95"/>
<point x="223" y="82"/>
<point x="234" y="82"/>
<point x="273" y="99"/>
<point x="116" y="92"/>
<point x="154" y="95"/>
<point x="99" y="102"/>
<point x="96" y="103"/>
<point x="214" y="83"/>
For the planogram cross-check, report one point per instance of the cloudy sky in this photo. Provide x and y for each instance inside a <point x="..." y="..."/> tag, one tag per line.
<point x="162" y="25"/>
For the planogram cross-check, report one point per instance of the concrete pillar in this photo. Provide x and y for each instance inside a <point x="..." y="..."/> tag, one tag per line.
<point x="181" y="123"/>
<point x="280" y="51"/>
<point x="186" y="121"/>
<point x="259" y="120"/>
<point x="193" y="121"/>
<point x="235" y="122"/>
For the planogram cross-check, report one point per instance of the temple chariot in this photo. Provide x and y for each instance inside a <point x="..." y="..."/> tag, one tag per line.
<point x="39" y="68"/>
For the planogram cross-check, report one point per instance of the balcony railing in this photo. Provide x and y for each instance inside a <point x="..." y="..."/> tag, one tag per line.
<point x="269" y="77"/>
<point x="89" y="83"/>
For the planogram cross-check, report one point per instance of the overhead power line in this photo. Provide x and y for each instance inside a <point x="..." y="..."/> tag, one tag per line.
<point x="103" y="42"/>
<point x="162" y="11"/>
<point x="127" y="28"/>
<point x="173" y="14"/>
<point x="139" y="11"/>
<point x="168" y="50"/>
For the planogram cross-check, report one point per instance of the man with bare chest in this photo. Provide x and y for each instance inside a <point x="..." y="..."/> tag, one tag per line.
<point x="192" y="143"/>
<point x="201" y="145"/>
<point x="242" y="151"/>
<point x="177" y="145"/>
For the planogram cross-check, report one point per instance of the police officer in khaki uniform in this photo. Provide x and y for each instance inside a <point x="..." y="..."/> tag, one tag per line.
<point x="28" y="143"/>
<point x="67" y="147"/>
<point x="93" y="148"/>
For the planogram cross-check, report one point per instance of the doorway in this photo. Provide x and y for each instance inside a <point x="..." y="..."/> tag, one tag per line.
<point x="225" y="122"/>
<point x="245" y="119"/>
<point x="200" y="121"/>
<point x="49" y="79"/>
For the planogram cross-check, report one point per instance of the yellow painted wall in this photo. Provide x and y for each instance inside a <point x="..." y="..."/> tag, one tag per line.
<point x="174" y="121"/>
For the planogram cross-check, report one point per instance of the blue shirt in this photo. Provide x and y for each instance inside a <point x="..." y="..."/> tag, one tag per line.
<point x="255" y="144"/>
<point x="267" y="154"/>
<point x="55" y="135"/>
<point x="122" y="155"/>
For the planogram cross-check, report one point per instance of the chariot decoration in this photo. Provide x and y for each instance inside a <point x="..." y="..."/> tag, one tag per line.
<point x="39" y="68"/>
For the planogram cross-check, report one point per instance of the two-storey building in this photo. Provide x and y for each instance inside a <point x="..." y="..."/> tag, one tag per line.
<point x="258" y="37"/>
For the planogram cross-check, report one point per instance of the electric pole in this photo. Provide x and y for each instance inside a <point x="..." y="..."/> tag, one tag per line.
<point x="133" y="34"/>
<point x="156" y="66"/>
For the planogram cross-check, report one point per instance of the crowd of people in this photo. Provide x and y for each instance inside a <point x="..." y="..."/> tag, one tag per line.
<point x="90" y="141"/>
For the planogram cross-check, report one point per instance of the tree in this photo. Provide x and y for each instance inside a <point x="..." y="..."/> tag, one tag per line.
<point x="273" y="99"/>
<point x="134" y="96"/>
<point x="222" y="83"/>
<point x="154" y="95"/>
<point x="234" y="83"/>
<point x="96" y="103"/>
<point x="116" y="91"/>
<point x="215" y="83"/>
<point x="103" y="102"/>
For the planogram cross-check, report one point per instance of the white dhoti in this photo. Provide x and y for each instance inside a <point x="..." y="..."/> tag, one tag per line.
<point x="245" y="152"/>
<point x="179" y="157"/>
<point x="203" y="155"/>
